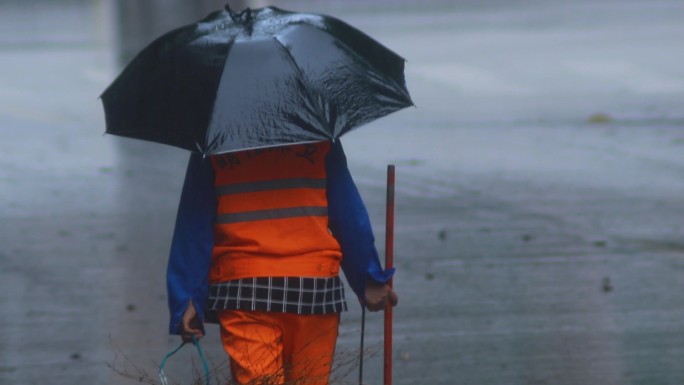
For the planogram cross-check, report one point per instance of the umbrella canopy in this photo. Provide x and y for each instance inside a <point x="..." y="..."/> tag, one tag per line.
<point x="262" y="77"/>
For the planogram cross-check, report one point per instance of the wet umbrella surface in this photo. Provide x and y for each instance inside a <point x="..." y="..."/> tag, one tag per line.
<point x="532" y="246"/>
<point x="258" y="78"/>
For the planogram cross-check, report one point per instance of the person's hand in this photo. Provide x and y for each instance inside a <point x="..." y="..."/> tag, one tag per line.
<point x="190" y="324"/>
<point x="379" y="295"/>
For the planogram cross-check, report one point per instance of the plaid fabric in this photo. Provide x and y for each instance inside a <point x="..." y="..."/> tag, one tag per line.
<point x="298" y="295"/>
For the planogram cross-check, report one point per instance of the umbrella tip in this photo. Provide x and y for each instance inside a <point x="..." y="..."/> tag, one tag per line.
<point x="245" y="16"/>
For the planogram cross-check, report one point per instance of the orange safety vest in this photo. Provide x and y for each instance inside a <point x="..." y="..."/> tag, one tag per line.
<point x="272" y="214"/>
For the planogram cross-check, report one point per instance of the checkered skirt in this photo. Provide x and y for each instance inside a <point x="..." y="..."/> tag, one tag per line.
<point x="297" y="295"/>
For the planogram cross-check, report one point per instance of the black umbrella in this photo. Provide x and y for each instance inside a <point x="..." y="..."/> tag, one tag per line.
<point x="258" y="78"/>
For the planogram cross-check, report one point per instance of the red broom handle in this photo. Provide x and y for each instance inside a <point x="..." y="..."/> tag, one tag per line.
<point x="389" y="263"/>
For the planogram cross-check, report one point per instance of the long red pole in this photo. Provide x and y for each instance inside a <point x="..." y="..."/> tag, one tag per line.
<point x="389" y="263"/>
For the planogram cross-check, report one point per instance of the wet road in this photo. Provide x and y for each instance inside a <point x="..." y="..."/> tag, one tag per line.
<point x="539" y="198"/>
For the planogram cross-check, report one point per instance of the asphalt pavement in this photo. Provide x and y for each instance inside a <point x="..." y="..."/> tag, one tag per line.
<point x="539" y="218"/>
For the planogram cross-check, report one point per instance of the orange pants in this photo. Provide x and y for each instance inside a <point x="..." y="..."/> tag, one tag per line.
<point x="279" y="348"/>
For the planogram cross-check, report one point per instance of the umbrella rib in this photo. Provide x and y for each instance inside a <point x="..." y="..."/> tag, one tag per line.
<point x="300" y="74"/>
<point x="349" y="50"/>
<point x="211" y="144"/>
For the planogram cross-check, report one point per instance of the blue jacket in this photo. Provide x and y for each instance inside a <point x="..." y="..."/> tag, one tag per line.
<point x="192" y="244"/>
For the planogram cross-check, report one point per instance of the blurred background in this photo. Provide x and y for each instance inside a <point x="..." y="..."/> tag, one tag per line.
<point x="540" y="185"/>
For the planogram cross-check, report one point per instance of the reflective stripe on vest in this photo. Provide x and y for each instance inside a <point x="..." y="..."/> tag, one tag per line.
<point x="274" y="213"/>
<point x="272" y="205"/>
<point x="259" y="215"/>
<point x="267" y="185"/>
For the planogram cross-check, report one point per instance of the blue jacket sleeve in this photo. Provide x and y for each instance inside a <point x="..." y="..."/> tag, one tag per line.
<point x="350" y="224"/>
<point x="192" y="243"/>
